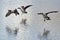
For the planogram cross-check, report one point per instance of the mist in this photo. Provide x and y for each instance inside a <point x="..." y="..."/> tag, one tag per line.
<point x="35" y="23"/>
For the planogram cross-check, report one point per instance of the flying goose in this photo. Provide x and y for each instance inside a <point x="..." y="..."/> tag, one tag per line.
<point x="10" y="12"/>
<point x="23" y="9"/>
<point x="23" y="21"/>
<point x="45" y="16"/>
<point x="46" y="32"/>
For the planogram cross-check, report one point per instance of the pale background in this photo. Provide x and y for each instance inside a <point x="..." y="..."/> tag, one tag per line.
<point x="35" y="23"/>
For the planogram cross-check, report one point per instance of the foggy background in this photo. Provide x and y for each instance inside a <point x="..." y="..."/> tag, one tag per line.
<point x="35" y="24"/>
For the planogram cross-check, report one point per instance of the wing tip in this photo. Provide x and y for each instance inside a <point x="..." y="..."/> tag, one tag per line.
<point x="5" y="15"/>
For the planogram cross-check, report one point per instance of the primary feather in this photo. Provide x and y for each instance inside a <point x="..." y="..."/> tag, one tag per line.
<point x="8" y="13"/>
<point x="51" y="12"/>
<point x="27" y="7"/>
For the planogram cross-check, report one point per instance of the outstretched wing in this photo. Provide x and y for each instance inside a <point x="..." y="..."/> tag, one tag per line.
<point x="51" y="12"/>
<point x="27" y="7"/>
<point x="8" y="13"/>
<point x="40" y="13"/>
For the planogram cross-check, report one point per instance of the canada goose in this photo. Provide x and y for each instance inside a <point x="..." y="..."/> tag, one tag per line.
<point x="45" y="15"/>
<point x="10" y="12"/>
<point x="23" y="9"/>
<point x="46" y="32"/>
<point x="23" y="21"/>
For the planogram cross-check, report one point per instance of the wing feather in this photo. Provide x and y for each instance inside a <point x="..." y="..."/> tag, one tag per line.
<point x="27" y="7"/>
<point x="51" y="12"/>
<point x="8" y="13"/>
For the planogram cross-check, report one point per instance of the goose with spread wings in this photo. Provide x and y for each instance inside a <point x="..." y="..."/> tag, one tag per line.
<point x="23" y="9"/>
<point x="10" y="12"/>
<point x="45" y="16"/>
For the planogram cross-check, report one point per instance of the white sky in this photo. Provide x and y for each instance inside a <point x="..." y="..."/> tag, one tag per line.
<point x="35" y="22"/>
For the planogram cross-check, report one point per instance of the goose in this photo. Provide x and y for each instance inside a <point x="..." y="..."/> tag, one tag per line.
<point x="10" y="12"/>
<point x="45" y="16"/>
<point x="46" y="32"/>
<point x="23" y="9"/>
